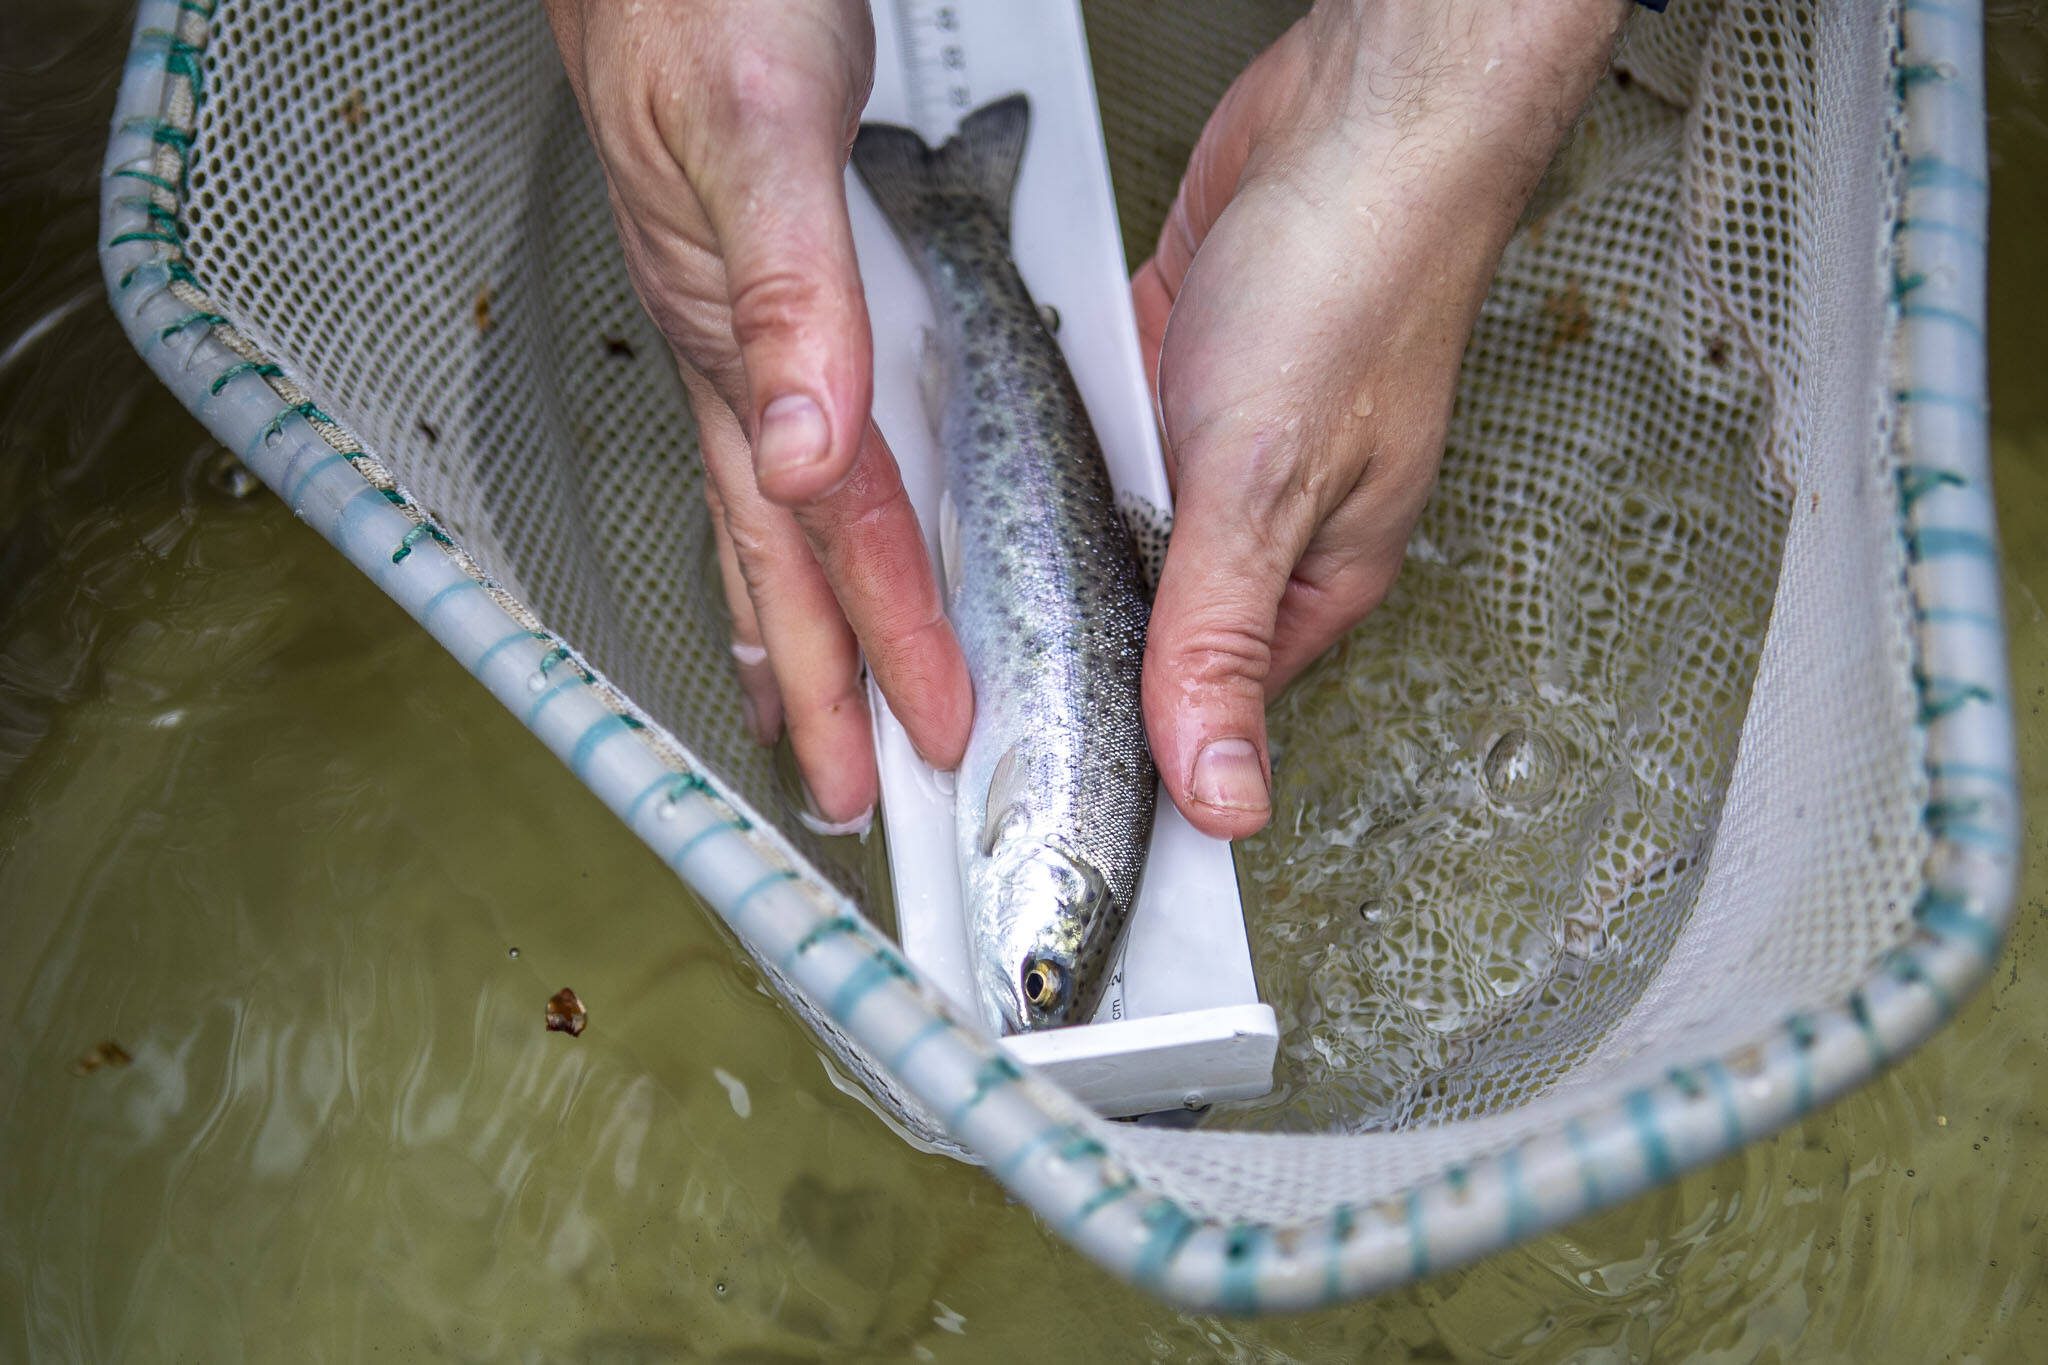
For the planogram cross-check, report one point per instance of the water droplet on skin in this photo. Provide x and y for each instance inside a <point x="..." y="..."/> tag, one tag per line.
<point x="512" y="952"/>
<point x="1522" y="768"/>
<point x="1373" y="914"/>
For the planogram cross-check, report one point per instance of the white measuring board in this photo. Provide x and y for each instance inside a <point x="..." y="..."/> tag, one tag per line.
<point x="1181" y="1022"/>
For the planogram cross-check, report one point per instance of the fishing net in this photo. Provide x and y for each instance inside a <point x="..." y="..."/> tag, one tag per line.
<point x="1670" y="793"/>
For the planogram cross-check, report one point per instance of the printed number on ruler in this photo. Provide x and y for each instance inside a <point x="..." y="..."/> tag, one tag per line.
<point x="935" y="61"/>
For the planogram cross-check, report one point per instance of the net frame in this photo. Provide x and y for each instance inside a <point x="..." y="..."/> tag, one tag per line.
<point x="1099" y="1184"/>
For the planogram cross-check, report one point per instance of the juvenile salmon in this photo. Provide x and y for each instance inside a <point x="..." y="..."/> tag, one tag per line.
<point x="1044" y="589"/>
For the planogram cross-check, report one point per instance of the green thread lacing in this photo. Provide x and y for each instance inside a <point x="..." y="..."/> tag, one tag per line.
<point x="1910" y="76"/>
<point x="173" y="270"/>
<point x="262" y="367"/>
<point x="179" y="57"/>
<point x="146" y="177"/>
<point x="156" y="213"/>
<point x="190" y="320"/>
<point x="1917" y="481"/>
<point x="553" y="657"/>
<point x="122" y="239"/>
<point x="275" y="426"/>
<point x="195" y="7"/>
<point x="683" y="783"/>
<point x="425" y="528"/>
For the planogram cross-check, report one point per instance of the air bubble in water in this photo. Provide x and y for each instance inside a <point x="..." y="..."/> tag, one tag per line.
<point x="1522" y="768"/>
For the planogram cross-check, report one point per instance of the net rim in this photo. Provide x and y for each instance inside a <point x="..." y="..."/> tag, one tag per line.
<point x="1045" y="1147"/>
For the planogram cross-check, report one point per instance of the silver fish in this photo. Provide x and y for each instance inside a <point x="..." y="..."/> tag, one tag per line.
<point x="1044" y="589"/>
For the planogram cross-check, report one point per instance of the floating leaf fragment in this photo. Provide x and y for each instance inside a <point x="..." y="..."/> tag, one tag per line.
<point x="107" y="1053"/>
<point x="566" y="1013"/>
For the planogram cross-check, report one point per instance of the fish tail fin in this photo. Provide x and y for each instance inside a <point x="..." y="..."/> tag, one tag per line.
<point x="920" y="187"/>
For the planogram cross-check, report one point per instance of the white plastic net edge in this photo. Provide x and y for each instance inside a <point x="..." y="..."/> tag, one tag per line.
<point x="1053" y="1156"/>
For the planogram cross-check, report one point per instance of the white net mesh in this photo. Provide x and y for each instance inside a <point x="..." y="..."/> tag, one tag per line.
<point x="1625" y="770"/>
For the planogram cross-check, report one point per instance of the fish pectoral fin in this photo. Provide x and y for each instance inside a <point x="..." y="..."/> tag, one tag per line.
<point x="949" y="547"/>
<point x="932" y="378"/>
<point x="1005" y="800"/>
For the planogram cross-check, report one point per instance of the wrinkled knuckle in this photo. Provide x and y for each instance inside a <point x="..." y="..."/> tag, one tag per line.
<point x="1222" y="653"/>
<point x="763" y="84"/>
<point x="780" y="303"/>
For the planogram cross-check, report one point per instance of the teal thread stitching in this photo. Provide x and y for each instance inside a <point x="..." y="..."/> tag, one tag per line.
<point x="1102" y="1199"/>
<point x="190" y="320"/>
<point x="180" y="58"/>
<point x="996" y="1071"/>
<point x="1024" y="1150"/>
<point x="172" y="269"/>
<point x="1343" y="1222"/>
<point x="1940" y="697"/>
<point x="1418" y="1240"/>
<point x="1916" y="481"/>
<point x="1239" y="1291"/>
<point x="879" y="968"/>
<point x="260" y="367"/>
<point x="154" y="211"/>
<point x="411" y="538"/>
<point x="146" y="177"/>
<point x="1919" y="74"/>
<point x="818" y="933"/>
<point x="274" y="428"/>
<point x="1171" y="1227"/>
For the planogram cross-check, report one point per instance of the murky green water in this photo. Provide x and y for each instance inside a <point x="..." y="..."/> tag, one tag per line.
<point x="260" y="831"/>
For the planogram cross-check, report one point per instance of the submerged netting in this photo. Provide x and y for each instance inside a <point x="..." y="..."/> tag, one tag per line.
<point x="1670" y="792"/>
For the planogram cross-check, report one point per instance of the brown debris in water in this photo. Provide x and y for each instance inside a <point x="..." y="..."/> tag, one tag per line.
<point x="566" y="1013"/>
<point x="353" y="110"/>
<point x="107" y="1053"/>
<point x="618" y="346"/>
<point x="484" y="295"/>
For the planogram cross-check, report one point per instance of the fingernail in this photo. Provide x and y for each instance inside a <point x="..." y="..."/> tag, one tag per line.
<point x="818" y="824"/>
<point x="1229" y="776"/>
<point x="753" y="714"/>
<point x="792" y="435"/>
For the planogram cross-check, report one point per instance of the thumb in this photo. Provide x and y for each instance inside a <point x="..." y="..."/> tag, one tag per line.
<point x="775" y="196"/>
<point x="1208" y="653"/>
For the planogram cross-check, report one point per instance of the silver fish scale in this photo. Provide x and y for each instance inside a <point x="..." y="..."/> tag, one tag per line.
<point x="1049" y="604"/>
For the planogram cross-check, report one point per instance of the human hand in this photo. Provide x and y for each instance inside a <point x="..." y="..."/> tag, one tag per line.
<point x="723" y="130"/>
<point x="1304" y="317"/>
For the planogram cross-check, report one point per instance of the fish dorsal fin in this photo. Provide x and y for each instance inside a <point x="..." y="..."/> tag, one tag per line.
<point x="1005" y="799"/>
<point x="1151" y="528"/>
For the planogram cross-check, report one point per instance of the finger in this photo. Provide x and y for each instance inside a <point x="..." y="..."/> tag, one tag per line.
<point x="811" y="650"/>
<point x="1152" y="301"/>
<point x="866" y="537"/>
<point x="1209" y="653"/>
<point x="749" y="655"/>
<point x="1352" y="560"/>
<point x="774" y="193"/>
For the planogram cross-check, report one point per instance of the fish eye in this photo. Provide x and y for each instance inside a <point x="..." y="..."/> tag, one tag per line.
<point x="1043" y="983"/>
